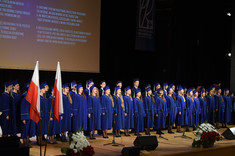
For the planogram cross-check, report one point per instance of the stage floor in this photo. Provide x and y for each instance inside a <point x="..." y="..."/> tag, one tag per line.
<point x="165" y="147"/>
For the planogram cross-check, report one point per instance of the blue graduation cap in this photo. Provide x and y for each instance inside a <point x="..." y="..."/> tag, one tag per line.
<point x="9" y="83"/>
<point x="159" y="89"/>
<point x="148" y="89"/>
<point x="184" y="87"/>
<point x="106" y="88"/>
<point x="52" y="89"/>
<point x="117" y="88"/>
<point x="73" y="83"/>
<point x="180" y="88"/>
<point x="202" y="90"/>
<point x="92" y="87"/>
<point x="226" y="89"/>
<point x="168" y="89"/>
<point x="79" y="85"/>
<point x="15" y="83"/>
<point x="42" y="86"/>
<point x="212" y="86"/>
<point x="65" y="85"/>
<point x="137" y="91"/>
<point x="209" y="89"/>
<point x="26" y="85"/>
<point x="156" y="84"/>
<point x="45" y="83"/>
<point x="218" y="88"/>
<point x="194" y="91"/>
<point x="189" y="90"/>
<point x="89" y="81"/>
<point x="127" y="88"/>
<point x="171" y="85"/>
<point x="136" y="79"/>
<point x="165" y="84"/>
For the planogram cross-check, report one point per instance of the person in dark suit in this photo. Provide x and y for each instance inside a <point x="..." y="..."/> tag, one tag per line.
<point x="102" y="86"/>
<point x="136" y="83"/>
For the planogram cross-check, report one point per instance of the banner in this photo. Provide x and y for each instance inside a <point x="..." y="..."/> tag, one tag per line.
<point x="145" y="25"/>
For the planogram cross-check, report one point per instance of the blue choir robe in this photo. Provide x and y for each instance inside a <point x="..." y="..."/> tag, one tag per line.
<point x="165" y="93"/>
<point x="94" y="108"/>
<point x="58" y="125"/>
<point x="172" y="110"/>
<point x="16" y="120"/>
<point x="120" y="113"/>
<point x="181" y="107"/>
<point x="87" y="92"/>
<point x="139" y="115"/>
<point x="228" y="108"/>
<point x="190" y="111"/>
<point x="79" y="113"/>
<point x="6" y="102"/>
<point x="43" y="116"/>
<point x="220" y="106"/>
<point x="204" y="110"/>
<point x="211" y="109"/>
<point x="66" y="121"/>
<point x="197" y="111"/>
<point x="25" y="108"/>
<point x="52" y="122"/>
<point x="149" y="111"/>
<point x="107" y="107"/>
<point x="129" y="119"/>
<point x="161" y="110"/>
<point x="72" y="94"/>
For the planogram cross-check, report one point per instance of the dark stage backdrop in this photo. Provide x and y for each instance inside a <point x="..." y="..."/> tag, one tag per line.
<point x="191" y="42"/>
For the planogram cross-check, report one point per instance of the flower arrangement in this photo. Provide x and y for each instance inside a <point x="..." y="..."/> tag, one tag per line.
<point x="206" y="135"/>
<point x="79" y="146"/>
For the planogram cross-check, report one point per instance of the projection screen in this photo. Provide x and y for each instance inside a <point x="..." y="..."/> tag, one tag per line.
<point x="49" y="31"/>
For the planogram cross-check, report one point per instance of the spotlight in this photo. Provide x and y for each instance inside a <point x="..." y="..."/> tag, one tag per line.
<point x="229" y="54"/>
<point x="229" y="14"/>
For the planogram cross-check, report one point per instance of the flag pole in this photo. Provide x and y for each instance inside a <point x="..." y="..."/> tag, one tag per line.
<point x="48" y="127"/>
<point x="40" y="134"/>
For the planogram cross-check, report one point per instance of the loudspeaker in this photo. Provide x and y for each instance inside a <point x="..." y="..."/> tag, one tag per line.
<point x="11" y="146"/>
<point x="131" y="151"/>
<point x="12" y="141"/>
<point x="229" y="133"/>
<point x="146" y="142"/>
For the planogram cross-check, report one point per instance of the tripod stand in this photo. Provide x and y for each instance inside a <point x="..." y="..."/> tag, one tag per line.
<point x="160" y="136"/>
<point x="113" y="143"/>
<point x="184" y="135"/>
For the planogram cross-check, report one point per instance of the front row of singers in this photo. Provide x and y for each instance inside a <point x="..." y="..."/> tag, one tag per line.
<point x="87" y="111"/>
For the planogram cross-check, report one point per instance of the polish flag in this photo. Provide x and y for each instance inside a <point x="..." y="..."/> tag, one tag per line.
<point x="58" y="105"/>
<point x="33" y="96"/>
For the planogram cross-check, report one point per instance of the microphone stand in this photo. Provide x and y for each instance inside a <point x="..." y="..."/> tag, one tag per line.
<point x="113" y="143"/>
<point x="184" y="135"/>
<point x="160" y="136"/>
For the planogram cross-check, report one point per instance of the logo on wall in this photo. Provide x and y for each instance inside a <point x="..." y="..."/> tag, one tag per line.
<point x="145" y="25"/>
<point x="146" y="14"/>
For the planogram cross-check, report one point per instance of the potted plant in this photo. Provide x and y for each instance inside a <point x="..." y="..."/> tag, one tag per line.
<point x="78" y="145"/>
<point x="206" y="135"/>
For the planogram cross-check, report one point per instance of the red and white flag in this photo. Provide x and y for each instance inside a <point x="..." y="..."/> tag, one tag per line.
<point x="58" y="105"/>
<point x="33" y="96"/>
